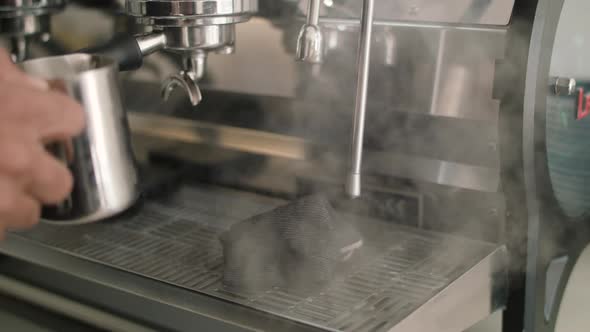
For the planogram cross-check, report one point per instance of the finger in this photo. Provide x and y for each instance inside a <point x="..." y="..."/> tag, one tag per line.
<point x="17" y="209"/>
<point x="11" y="72"/>
<point x="68" y="121"/>
<point x="20" y="153"/>
<point x="51" y="181"/>
<point x="39" y="174"/>
<point x="27" y="215"/>
<point x="51" y="115"/>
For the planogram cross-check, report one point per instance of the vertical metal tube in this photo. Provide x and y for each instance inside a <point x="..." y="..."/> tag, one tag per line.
<point x="353" y="180"/>
<point x="313" y="12"/>
<point x="19" y="49"/>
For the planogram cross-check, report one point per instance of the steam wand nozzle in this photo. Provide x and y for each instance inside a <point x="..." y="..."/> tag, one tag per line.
<point x="310" y="40"/>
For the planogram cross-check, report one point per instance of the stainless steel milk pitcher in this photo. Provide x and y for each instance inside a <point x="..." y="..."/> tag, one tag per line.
<point x="100" y="159"/>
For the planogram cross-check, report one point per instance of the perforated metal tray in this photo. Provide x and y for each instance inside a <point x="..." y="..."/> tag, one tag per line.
<point x="404" y="276"/>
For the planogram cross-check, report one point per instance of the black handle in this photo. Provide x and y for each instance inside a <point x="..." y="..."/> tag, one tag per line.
<point x="123" y="48"/>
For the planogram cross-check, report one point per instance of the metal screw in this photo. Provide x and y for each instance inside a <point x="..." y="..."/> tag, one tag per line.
<point x="565" y="86"/>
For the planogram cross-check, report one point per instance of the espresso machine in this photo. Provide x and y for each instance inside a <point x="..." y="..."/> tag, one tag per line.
<point x="23" y="21"/>
<point x="444" y="131"/>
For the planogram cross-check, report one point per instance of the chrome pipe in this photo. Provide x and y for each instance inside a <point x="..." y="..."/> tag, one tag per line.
<point x="151" y="43"/>
<point x="353" y="179"/>
<point x="313" y="12"/>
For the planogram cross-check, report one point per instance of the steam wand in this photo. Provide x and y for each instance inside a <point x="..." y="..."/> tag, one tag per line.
<point x="353" y="179"/>
<point x="310" y="49"/>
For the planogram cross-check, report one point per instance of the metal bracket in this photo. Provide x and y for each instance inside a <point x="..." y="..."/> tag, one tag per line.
<point x="553" y="277"/>
<point x="563" y="86"/>
<point x="194" y="69"/>
<point x="186" y="82"/>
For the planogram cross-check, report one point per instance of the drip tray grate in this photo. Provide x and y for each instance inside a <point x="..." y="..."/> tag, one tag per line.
<point x="176" y="241"/>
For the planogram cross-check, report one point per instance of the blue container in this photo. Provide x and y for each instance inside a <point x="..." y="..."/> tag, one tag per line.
<point x="568" y="153"/>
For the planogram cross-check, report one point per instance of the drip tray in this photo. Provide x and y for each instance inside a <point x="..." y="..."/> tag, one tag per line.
<point x="406" y="280"/>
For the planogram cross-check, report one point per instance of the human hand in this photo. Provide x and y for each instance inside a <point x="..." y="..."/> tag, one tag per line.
<point x="31" y="116"/>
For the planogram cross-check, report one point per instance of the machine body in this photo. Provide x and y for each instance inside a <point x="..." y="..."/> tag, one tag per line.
<point x="466" y="146"/>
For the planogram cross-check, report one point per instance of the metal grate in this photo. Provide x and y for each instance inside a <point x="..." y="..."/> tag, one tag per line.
<point x="176" y="241"/>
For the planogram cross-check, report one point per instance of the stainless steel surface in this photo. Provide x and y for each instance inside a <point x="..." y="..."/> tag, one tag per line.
<point x="64" y="306"/>
<point x="462" y="12"/>
<point x="143" y="299"/>
<point x="445" y="80"/>
<point x="434" y="111"/>
<point x="405" y="277"/>
<point x="209" y="37"/>
<point x="353" y="181"/>
<point x="460" y="306"/>
<point x="564" y="86"/>
<point x="435" y="171"/>
<point x="189" y="25"/>
<point x="196" y="12"/>
<point x="467" y="76"/>
<point x="447" y="173"/>
<point x="151" y="43"/>
<point x="101" y="160"/>
<point x="569" y="56"/>
<point x="310" y="43"/>
<point x="351" y="24"/>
